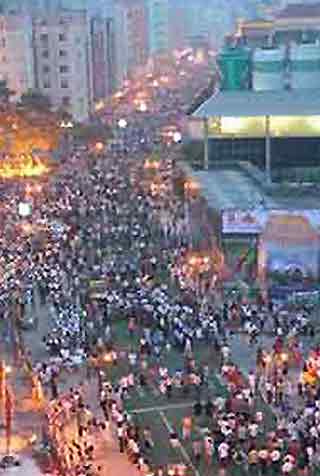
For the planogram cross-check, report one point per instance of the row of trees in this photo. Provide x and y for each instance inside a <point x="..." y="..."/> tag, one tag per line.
<point x="33" y="124"/>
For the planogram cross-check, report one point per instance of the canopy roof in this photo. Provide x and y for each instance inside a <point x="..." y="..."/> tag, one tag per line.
<point x="303" y="102"/>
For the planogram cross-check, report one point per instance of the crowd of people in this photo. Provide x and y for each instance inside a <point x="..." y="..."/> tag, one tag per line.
<point x="111" y="220"/>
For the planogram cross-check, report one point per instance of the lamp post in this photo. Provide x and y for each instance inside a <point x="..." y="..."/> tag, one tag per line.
<point x="122" y="125"/>
<point x="206" y="144"/>
<point x="199" y="264"/>
<point x="191" y="190"/>
<point x="66" y="126"/>
<point x="268" y="151"/>
<point x="177" y="137"/>
<point x="151" y="165"/>
<point x="108" y="360"/>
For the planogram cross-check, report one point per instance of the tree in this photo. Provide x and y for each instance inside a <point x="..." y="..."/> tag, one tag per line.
<point x="5" y="93"/>
<point x="35" y="100"/>
<point x="91" y="133"/>
<point x="155" y="155"/>
<point x="203" y="96"/>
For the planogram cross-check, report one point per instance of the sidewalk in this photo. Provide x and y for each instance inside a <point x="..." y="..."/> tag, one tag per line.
<point x="112" y="461"/>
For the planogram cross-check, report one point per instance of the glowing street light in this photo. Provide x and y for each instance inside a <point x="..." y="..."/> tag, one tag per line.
<point x="151" y="165"/>
<point x="24" y="209"/>
<point x="118" y="95"/>
<point x="99" y="146"/>
<point x="122" y="123"/>
<point x="66" y="125"/>
<point x="191" y="188"/>
<point x="164" y="79"/>
<point x="99" y="105"/>
<point x="143" y="107"/>
<point x="177" y="137"/>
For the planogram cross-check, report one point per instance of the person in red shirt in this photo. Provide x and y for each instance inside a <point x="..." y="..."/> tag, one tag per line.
<point x="278" y="345"/>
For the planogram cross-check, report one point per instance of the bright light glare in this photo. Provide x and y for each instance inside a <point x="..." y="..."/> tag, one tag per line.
<point x="23" y="166"/>
<point x="24" y="209"/>
<point x="177" y="137"/>
<point x="122" y="123"/>
<point x="143" y="107"/>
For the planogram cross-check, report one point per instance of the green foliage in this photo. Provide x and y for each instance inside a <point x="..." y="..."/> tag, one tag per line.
<point x="193" y="152"/>
<point x="203" y="96"/>
<point x="156" y="155"/>
<point x="91" y="133"/>
<point x="5" y="92"/>
<point x="35" y="100"/>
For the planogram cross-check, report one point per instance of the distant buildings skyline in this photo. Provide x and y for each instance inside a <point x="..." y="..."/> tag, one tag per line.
<point x="77" y="52"/>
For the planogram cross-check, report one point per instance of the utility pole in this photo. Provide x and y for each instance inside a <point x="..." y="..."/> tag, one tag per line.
<point x="206" y="144"/>
<point x="268" y="151"/>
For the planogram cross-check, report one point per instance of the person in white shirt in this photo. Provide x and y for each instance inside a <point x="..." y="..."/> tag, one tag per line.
<point x="223" y="452"/>
<point x="208" y="447"/>
<point x="253" y="430"/>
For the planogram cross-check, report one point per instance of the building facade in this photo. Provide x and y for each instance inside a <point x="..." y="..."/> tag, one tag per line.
<point x="158" y="25"/>
<point x="131" y="44"/>
<point x="103" y="58"/>
<point x="295" y="23"/>
<point x="16" y="53"/>
<point x="63" y="69"/>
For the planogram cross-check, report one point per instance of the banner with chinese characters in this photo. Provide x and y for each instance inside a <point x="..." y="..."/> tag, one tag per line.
<point x="288" y="240"/>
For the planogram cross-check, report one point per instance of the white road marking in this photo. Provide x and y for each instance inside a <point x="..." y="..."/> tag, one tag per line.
<point x="181" y="447"/>
<point x="164" y="407"/>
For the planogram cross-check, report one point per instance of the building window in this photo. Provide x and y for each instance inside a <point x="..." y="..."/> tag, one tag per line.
<point x="64" y="84"/>
<point x="46" y="68"/>
<point x="45" y="54"/>
<point x="64" y="69"/>
<point x="66" y="101"/>
<point x="62" y="53"/>
<point x="46" y="84"/>
<point x="62" y="37"/>
<point x="3" y="43"/>
<point x="44" y="38"/>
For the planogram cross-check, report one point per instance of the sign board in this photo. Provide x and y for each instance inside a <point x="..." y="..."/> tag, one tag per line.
<point x="236" y="221"/>
<point x="98" y="288"/>
<point x="288" y="240"/>
<point x="246" y="222"/>
<point x="305" y="297"/>
<point x="24" y="209"/>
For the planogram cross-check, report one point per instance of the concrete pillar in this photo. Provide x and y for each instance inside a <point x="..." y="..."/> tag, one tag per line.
<point x="206" y="144"/>
<point x="268" y="151"/>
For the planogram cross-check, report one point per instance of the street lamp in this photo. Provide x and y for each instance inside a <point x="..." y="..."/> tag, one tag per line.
<point x="24" y="209"/>
<point x="122" y="123"/>
<point x="151" y="165"/>
<point x="99" y="146"/>
<point x="177" y="137"/>
<point x="66" y="125"/>
<point x="143" y="107"/>
<point x="198" y="265"/>
<point x="191" y="190"/>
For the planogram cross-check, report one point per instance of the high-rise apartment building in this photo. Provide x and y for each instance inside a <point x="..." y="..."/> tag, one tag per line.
<point x="131" y="41"/>
<point x="103" y="58"/>
<point x="158" y="26"/>
<point x="16" y="53"/>
<point x="62" y="45"/>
